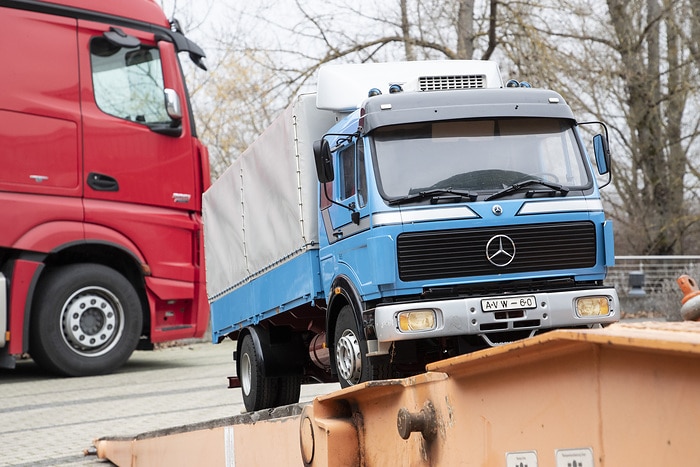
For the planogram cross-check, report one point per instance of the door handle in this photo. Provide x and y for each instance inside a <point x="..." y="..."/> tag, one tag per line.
<point x="101" y="182"/>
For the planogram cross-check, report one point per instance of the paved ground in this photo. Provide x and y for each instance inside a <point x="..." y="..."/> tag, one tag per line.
<point x="49" y="421"/>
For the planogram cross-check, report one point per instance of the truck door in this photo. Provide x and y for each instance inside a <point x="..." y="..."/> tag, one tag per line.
<point x="348" y="217"/>
<point x="141" y="168"/>
<point x="125" y="158"/>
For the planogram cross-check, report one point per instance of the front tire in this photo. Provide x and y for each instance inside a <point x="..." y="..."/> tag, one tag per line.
<point x="87" y="320"/>
<point x="351" y="361"/>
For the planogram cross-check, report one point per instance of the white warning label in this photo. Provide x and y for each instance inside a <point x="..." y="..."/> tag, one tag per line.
<point x="521" y="459"/>
<point x="582" y="457"/>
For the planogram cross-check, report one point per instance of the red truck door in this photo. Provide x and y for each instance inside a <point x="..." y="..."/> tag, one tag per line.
<point x="142" y="170"/>
<point x="125" y="160"/>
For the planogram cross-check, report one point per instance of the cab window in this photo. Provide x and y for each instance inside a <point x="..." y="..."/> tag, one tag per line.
<point x="361" y="174"/>
<point x="128" y="83"/>
<point x="347" y="171"/>
<point x="353" y="178"/>
<point x="326" y="194"/>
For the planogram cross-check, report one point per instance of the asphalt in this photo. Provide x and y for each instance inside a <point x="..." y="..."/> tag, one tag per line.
<point x="50" y="421"/>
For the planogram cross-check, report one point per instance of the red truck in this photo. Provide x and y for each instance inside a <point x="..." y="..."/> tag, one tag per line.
<point x="101" y="177"/>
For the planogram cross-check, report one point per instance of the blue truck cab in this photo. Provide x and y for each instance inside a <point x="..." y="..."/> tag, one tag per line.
<point x="452" y="213"/>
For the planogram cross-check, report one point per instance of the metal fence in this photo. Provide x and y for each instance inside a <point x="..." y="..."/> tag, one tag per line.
<point x="647" y="284"/>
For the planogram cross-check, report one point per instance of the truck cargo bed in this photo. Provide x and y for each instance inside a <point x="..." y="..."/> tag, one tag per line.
<point x="263" y="298"/>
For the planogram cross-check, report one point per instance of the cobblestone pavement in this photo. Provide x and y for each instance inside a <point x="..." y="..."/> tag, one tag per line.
<point x="49" y="421"/>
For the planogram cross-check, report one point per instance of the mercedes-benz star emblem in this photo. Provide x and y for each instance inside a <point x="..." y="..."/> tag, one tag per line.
<point x="500" y="250"/>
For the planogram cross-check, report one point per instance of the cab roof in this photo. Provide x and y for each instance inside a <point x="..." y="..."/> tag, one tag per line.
<point x="145" y="11"/>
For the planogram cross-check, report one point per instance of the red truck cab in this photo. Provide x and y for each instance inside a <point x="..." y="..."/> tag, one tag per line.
<point x="101" y="177"/>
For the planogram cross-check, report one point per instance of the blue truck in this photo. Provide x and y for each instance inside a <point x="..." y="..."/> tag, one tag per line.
<point x="401" y="214"/>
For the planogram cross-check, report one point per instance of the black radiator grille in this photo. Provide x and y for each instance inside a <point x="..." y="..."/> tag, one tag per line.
<point x="462" y="252"/>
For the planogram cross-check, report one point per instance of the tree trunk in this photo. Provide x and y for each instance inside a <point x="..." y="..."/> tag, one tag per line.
<point x="465" y="29"/>
<point x="493" y="16"/>
<point x="406" y="32"/>
<point x="641" y="57"/>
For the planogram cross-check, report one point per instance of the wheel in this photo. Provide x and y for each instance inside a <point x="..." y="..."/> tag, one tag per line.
<point x="351" y="361"/>
<point x="288" y="390"/>
<point x="86" y="320"/>
<point x="259" y="391"/>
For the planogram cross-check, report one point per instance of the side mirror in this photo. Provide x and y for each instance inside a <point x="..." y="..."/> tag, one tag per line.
<point x="174" y="110"/>
<point x="172" y="104"/>
<point x="324" y="161"/>
<point x="602" y="153"/>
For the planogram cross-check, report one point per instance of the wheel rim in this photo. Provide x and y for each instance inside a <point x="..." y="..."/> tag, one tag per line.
<point x="92" y="320"/>
<point x="348" y="357"/>
<point x="246" y="373"/>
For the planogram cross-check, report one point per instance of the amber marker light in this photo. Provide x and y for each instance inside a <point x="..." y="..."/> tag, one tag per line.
<point x="592" y="306"/>
<point x="417" y="320"/>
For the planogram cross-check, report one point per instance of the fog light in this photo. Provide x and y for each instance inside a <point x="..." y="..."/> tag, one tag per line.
<point x="592" y="306"/>
<point x="417" y="320"/>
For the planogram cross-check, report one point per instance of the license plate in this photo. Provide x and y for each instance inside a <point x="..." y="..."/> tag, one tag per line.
<point x="509" y="303"/>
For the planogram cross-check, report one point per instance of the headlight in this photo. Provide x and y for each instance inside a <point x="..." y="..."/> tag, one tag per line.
<point x="592" y="306"/>
<point x="417" y="320"/>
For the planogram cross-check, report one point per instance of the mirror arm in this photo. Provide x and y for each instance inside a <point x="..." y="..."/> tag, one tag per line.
<point x="318" y="149"/>
<point x="349" y="208"/>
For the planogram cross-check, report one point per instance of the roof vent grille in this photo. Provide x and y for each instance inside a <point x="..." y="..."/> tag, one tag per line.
<point x="439" y="83"/>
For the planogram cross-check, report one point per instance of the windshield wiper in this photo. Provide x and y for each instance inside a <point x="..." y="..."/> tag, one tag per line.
<point x="533" y="181"/>
<point x="434" y="195"/>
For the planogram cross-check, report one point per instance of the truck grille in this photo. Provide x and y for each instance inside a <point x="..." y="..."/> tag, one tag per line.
<point x="462" y="252"/>
<point x="439" y="83"/>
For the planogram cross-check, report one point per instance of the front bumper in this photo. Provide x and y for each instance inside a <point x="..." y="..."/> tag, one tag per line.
<point x="465" y="316"/>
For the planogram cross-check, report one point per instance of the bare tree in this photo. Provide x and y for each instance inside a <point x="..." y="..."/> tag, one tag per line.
<point x="656" y="76"/>
<point x="258" y="74"/>
<point x="465" y="29"/>
<point x="406" y="31"/>
<point x="631" y="63"/>
<point x="628" y="63"/>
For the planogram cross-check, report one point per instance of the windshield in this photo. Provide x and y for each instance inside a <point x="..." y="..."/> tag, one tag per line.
<point x="479" y="156"/>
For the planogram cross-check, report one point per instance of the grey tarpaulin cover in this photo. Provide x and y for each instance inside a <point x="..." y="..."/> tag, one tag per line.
<point x="263" y="209"/>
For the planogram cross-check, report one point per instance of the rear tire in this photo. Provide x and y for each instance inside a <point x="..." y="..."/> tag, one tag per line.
<point x="259" y="391"/>
<point x="288" y="390"/>
<point x="351" y="361"/>
<point x="86" y="320"/>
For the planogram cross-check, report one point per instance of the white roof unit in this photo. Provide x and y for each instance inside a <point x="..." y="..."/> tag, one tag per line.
<point x="344" y="87"/>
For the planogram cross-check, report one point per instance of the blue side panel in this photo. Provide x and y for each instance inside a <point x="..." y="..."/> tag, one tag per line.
<point x="294" y="283"/>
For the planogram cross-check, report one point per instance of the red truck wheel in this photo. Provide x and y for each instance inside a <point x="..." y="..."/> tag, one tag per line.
<point x="86" y="320"/>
